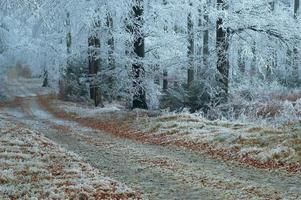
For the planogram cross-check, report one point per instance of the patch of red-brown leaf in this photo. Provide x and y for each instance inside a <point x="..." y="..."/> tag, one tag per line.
<point x="122" y="129"/>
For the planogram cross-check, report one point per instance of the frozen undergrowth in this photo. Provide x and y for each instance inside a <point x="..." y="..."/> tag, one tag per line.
<point x="263" y="143"/>
<point x="88" y="111"/>
<point x="32" y="167"/>
<point x="262" y="104"/>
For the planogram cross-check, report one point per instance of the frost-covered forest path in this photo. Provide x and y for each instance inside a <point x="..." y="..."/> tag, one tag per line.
<point x="157" y="172"/>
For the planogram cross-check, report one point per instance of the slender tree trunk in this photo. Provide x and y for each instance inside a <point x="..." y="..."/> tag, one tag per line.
<point x="165" y="25"/>
<point x="111" y="42"/>
<point x="111" y="58"/>
<point x="190" y="53"/>
<point x="269" y="70"/>
<point x="139" y="98"/>
<point x="206" y="37"/>
<point x="199" y="43"/>
<point x="68" y="37"/>
<point x="165" y="81"/>
<point x="68" y="45"/>
<point x="254" y="60"/>
<point x="295" y="50"/>
<point x="222" y="56"/>
<point x="165" y="72"/>
<point x="94" y="65"/>
<point x="253" y="68"/>
<point x="272" y="60"/>
<point x="45" y="78"/>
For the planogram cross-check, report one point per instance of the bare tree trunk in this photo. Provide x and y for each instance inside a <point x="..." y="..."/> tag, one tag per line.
<point x="241" y="62"/>
<point x="68" y="46"/>
<point x="45" y="78"/>
<point x="68" y="37"/>
<point x="272" y="60"/>
<point x="139" y="98"/>
<point x="165" y="81"/>
<point x="111" y="42"/>
<point x="199" y="43"/>
<point x="206" y="37"/>
<point x="253" y="68"/>
<point x="254" y="60"/>
<point x="165" y="72"/>
<point x="111" y="58"/>
<point x="94" y="65"/>
<point x="190" y="53"/>
<point x="222" y="45"/>
<point x="295" y="50"/>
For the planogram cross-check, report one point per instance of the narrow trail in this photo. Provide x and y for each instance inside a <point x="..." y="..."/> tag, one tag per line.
<point x="157" y="172"/>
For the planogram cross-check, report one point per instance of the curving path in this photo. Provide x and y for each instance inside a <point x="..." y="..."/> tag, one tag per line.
<point x="157" y="172"/>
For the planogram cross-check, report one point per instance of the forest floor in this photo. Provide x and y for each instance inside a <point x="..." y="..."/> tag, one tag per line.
<point x="152" y="154"/>
<point x="261" y="146"/>
<point x="34" y="167"/>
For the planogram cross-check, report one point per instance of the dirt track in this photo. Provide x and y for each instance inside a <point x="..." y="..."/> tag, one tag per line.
<point x="158" y="172"/>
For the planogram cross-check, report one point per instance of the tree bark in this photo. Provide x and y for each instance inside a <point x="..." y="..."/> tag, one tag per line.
<point x="94" y="65"/>
<point x="190" y="53"/>
<point x="111" y="58"/>
<point x="111" y="42"/>
<point x="206" y="37"/>
<point x="68" y="37"/>
<point x="253" y="70"/>
<point x="273" y="58"/>
<point x="222" y="45"/>
<point x="139" y="98"/>
<point x="165" y="81"/>
<point x="295" y="50"/>
<point x="165" y="72"/>
<point x="45" y="78"/>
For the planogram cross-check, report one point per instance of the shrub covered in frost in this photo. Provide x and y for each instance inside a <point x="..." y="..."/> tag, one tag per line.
<point x="73" y="85"/>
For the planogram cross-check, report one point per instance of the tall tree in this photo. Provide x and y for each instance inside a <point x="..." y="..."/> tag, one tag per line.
<point x="222" y="45"/>
<point x="45" y="78"/>
<point x="68" y="36"/>
<point x="94" y="63"/>
<point x="199" y="37"/>
<point x="295" y="50"/>
<point x="139" y="98"/>
<point x="206" y="35"/>
<point x="190" y="53"/>
<point x="45" y="70"/>
<point x="111" y="56"/>
<point x="165" y="72"/>
<point x="272" y="59"/>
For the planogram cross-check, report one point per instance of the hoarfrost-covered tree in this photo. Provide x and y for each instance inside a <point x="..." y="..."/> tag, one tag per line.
<point x="213" y="47"/>
<point x="139" y="98"/>
<point x="222" y="45"/>
<point x="190" y="53"/>
<point x="296" y="60"/>
<point x="95" y="61"/>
